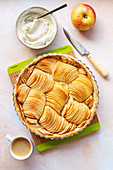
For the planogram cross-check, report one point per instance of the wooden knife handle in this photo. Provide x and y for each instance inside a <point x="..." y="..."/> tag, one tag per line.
<point x="98" y="66"/>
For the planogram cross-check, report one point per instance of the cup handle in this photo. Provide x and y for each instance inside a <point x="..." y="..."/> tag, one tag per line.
<point x="9" y="137"/>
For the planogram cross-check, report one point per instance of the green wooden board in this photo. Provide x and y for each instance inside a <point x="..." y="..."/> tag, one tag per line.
<point x="52" y="143"/>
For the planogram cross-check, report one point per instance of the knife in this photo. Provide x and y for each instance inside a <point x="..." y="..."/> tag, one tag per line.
<point x="82" y="51"/>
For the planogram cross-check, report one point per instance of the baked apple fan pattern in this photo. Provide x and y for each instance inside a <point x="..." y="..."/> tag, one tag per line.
<point x="57" y="98"/>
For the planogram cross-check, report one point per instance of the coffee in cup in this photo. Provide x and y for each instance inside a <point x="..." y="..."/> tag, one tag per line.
<point x="20" y="147"/>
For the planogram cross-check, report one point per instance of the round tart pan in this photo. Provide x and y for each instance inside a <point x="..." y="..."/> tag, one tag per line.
<point x="67" y="59"/>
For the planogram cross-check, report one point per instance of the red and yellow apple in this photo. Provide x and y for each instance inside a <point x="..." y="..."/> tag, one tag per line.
<point x="83" y="17"/>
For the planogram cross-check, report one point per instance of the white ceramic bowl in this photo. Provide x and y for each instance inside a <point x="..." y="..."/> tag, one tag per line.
<point x="38" y="11"/>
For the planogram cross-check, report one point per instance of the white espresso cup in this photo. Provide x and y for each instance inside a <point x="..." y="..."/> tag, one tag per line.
<point x="20" y="147"/>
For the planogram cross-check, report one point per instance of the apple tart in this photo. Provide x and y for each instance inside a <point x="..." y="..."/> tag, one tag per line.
<point x="55" y="96"/>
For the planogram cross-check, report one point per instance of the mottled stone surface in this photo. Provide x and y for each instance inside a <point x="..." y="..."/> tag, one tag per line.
<point x="94" y="151"/>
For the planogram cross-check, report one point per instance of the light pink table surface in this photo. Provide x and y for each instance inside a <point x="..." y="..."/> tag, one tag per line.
<point x="94" y="151"/>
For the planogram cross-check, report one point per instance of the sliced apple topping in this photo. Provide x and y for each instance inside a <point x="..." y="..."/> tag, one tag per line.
<point x="53" y="122"/>
<point x="89" y="101"/>
<point x="40" y="80"/>
<point x="34" y="104"/>
<point x="31" y="121"/>
<point x="47" y="64"/>
<point x="64" y="72"/>
<point x="22" y="93"/>
<point x="26" y="74"/>
<point x="57" y="97"/>
<point x="76" y="112"/>
<point x="81" y="88"/>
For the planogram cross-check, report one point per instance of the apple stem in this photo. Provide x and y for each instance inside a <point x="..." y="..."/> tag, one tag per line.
<point x="85" y="16"/>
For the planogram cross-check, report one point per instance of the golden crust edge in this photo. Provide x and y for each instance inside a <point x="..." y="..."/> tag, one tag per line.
<point x="64" y="58"/>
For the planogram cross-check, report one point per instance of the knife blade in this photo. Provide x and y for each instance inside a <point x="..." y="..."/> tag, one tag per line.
<point x="82" y="51"/>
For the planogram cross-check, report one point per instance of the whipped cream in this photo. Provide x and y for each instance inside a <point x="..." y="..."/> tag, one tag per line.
<point x="38" y="33"/>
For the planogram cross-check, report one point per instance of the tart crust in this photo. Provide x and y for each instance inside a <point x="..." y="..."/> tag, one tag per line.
<point x="59" y="99"/>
